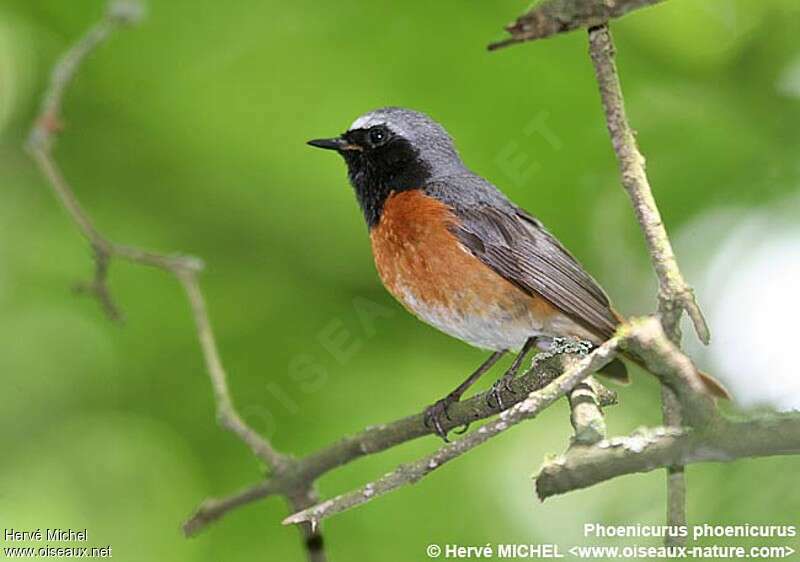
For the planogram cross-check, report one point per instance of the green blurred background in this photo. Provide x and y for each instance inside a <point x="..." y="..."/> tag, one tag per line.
<point x="187" y="133"/>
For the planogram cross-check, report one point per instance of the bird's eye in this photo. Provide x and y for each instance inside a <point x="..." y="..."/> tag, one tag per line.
<point x="377" y="136"/>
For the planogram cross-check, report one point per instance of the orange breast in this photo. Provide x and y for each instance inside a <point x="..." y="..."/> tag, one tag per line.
<point x="427" y="269"/>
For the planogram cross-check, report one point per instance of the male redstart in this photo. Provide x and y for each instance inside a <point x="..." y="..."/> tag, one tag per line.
<point x="462" y="257"/>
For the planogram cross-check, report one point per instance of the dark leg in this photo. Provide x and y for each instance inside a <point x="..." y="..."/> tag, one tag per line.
<point x="504" y="382"/>
<point x="435" y="412"/>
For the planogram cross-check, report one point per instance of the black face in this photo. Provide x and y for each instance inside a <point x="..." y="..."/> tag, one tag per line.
<point x="379" y="162"/>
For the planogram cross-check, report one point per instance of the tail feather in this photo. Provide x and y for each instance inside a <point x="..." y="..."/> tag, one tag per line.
<point x="712" y="386"/>
<point x="616" y="370"/>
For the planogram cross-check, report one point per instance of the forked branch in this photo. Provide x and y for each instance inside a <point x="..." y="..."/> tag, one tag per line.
<point x="550" y="17"/>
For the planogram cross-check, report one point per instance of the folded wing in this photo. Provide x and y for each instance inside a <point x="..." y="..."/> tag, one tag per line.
<point x="518" y="247"/>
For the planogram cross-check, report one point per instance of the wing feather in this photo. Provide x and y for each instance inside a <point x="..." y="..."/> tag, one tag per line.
<point x="518" y="247"/>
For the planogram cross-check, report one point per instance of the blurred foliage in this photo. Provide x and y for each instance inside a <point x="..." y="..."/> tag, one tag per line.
<point x="187" y="133"/>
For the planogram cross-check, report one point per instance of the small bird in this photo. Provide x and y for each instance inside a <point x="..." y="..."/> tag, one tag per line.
<point x="459" y="255"/>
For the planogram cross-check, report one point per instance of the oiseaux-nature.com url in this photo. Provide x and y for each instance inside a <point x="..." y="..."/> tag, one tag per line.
<point x="594" y="552"/>
<point x="675" y="552"/>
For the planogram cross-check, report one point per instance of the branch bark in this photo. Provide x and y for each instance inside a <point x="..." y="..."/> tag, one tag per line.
<point x="185" y="268"/>
<point x="586" y="402"/>
<point x="675" y="295"/>
<point x="377" y="438"/>
<point x="551" y="17"/>
<point x="651" y="449"/>
<point x="644" y="336"/>
<point x="529" y="408"/>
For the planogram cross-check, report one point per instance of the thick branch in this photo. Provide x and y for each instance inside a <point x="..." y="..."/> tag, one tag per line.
<point x="645" y="337"/>
<point x="550" y="17"/>
<point x="651" y="449"/>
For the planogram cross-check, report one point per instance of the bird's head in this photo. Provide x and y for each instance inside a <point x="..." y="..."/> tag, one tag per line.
<point x="391" y="150"/>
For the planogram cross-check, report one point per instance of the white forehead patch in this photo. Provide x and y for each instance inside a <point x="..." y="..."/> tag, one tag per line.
<point x="376" y="118"/>
<point x="367" y="121"/>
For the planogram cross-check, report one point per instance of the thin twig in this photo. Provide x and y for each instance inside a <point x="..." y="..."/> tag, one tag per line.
<point x="212" y="509"/>
<point x="550" y="17"/>
<point x="675" y="295"/>
<point x="303" y="498"/>
<point x="227" y="416"/>
<point x="672" y="416"/>
<point x="184" y="268"/>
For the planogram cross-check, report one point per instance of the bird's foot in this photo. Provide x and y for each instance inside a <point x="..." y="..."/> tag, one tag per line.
<point x="495" y="394"/>
<point x="436" y="413"/>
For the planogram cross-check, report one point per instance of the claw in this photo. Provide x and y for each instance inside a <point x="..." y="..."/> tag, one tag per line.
<point x="496" y="392"/>
<point x="461" y="430"/>
<point x="434" y="413"/>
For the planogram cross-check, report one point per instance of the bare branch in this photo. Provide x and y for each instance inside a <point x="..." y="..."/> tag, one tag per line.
<point x="675" y="295"/>
<point x="184" y="268"/>
<point x="651" y="449"/>
<point x="40" y="144"/>
<point x="549" y="17"/>
<point x="529" y="408"/>
<point x="672" y="415"/>
<point x="586" y="403"/>
<point x="677" y="372"/>
<point x="227" y="416"/>
<point x="299" y="499"/>
<point x="118" y="13"/>
<point x="212" y="509"/>
<point x="377" y="438"/>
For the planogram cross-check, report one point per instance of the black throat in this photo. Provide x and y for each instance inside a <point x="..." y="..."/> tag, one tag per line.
<point x="377" y="173"/>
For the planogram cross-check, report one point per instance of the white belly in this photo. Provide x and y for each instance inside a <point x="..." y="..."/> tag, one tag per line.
<point x="495" y="328"/>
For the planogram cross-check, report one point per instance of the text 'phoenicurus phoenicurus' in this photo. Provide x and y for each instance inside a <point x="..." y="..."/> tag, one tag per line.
<point x="462" y="257"/>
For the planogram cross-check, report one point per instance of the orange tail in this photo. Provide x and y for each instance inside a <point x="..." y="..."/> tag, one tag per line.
<point x="712" y="385"/>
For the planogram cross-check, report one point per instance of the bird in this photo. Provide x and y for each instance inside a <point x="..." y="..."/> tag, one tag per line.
<point x="462" y="257"/>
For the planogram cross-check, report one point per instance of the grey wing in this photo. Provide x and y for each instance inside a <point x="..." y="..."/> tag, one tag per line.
<point x="518" y="247"/>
